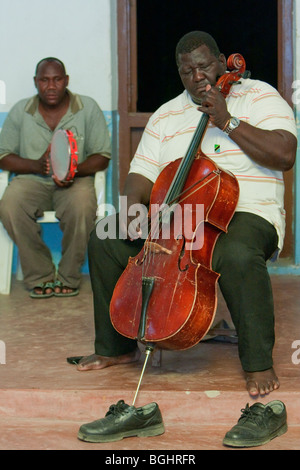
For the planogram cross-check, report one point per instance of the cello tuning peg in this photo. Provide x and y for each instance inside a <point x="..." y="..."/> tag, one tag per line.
<point x="246" y="74"/>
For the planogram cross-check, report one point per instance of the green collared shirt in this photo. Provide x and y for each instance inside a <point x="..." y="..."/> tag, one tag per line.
<point x="26" y="134"/>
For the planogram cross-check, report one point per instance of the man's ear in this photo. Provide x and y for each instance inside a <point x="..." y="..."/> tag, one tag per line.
<point x="223" y="61"/>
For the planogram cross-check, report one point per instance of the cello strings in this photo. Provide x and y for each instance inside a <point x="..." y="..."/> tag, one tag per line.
<point x="165" y="210"/>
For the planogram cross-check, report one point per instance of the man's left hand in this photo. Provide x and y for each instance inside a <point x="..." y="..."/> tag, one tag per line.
<point x="214" y="105"/>
<point x="62" y="184"/>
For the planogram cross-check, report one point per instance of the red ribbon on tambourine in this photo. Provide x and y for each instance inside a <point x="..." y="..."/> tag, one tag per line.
<point x="64" y="155"/>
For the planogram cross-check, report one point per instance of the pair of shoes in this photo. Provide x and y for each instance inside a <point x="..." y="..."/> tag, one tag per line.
<point x="258" y="425"/>
<point x="59" y="284"/>
<point x="43" y="287"/>
<point x="122" y="421"/>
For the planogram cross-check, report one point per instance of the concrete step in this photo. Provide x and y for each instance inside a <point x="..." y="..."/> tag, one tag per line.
<point x="50" y="419"/>
<point x="44" y="400"/>
<point x="196" y="407"/>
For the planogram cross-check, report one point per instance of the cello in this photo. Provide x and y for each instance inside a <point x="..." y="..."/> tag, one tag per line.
<point x="167" y="294"/>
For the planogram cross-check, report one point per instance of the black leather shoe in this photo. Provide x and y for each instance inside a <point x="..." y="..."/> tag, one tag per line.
<point x="258" y="425"/>
<point x="122" y="421"/>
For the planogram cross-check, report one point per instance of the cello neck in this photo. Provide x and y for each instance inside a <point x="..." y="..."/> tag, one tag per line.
<point x="186" y="163"/>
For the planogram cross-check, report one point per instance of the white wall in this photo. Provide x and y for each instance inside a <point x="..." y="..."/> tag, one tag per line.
<point x="297" y="37"/>
<point x="82" y="33"/>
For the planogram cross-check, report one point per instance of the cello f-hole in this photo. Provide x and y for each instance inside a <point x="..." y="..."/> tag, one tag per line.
<point x="182" y="252"/>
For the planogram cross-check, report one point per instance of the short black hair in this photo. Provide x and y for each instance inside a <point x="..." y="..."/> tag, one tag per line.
<point x="191" y="41"/>
<point x="50" y="59"/>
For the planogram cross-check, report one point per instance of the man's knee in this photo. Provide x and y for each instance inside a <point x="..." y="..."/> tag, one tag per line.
<point x="9" y="207"/>
<point x="98" y="244"/>
<point x="239" y="260"/>
<point x="93" y="240"/>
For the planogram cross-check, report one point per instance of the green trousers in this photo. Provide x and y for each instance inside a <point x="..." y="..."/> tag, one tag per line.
<point x="239" y="257"/>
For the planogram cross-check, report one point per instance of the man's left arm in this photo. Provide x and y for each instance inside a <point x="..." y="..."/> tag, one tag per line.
<point x="92" y="164"/>
<point x="273" y="149"/>
<point x="97" y="141"/>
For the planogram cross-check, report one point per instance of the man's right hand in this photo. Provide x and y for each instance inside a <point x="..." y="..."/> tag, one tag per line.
<point x="133" y="210"/>
<point x="16" y="164"/>
<point x="44" y="163"/>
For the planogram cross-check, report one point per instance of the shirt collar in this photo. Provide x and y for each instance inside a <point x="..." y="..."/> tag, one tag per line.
<point x="74" y="106"/>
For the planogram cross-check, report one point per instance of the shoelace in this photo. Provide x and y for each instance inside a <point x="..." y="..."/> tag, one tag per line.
<point x="119" y="408"/>
<point x="253" y="414"/>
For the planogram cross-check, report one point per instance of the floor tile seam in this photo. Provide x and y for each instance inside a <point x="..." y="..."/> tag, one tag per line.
<point x="211" y="422"/>
<point x="109" y="391"/>
<point x="11" y="421"/>
<point x="168" y="422"/>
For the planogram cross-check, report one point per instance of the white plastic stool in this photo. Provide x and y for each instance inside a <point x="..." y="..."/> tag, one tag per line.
<point x="6" y="244"/>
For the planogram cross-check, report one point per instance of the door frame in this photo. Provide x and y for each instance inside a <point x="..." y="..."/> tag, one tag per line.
<point x="129" y="118"/>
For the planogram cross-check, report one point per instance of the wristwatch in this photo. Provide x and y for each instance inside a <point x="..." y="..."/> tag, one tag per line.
<point x="232" y="124"/>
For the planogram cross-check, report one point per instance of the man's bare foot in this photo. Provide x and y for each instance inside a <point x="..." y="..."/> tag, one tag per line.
<point x="261" y="383"/>
<point x="95" y="362"/>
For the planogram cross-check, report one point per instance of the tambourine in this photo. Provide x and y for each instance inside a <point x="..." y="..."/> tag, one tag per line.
<point x="64" y="155"/>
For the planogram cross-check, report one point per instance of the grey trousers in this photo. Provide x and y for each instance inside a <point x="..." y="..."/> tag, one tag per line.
<point x="24" y="201"/>
<point x="239" y="256"/>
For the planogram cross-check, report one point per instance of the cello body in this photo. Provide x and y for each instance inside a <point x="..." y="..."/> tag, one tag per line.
<point x="183" y="299"/>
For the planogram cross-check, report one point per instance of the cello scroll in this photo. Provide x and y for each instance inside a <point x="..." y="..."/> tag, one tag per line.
<point x="237" y="66"/>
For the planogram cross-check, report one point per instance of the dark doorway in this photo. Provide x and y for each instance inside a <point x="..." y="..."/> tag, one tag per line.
<point x="245" y="26"/>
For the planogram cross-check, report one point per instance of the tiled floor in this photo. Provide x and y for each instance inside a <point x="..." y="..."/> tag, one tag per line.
<point x="44" y="400"/>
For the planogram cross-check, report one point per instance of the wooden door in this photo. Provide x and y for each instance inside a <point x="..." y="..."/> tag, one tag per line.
<point x="132" y="122"/>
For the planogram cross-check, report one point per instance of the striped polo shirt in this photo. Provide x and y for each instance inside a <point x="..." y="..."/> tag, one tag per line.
<point x="170" y="130"/>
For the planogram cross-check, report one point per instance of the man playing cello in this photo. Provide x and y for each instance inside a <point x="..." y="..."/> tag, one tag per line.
<point x="255" y="134"/>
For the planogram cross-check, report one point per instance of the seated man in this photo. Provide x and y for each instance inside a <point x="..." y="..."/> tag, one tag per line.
<point x="252" y="134"/>
<point x="24" y="150"/>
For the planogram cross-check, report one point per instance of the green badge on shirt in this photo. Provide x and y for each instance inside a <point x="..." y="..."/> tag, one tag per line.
<point x="217" y="148"/>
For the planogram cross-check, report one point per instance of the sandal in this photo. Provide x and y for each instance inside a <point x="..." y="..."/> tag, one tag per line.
<point x="43" y="286"/>
<point x="59" y="284"/>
